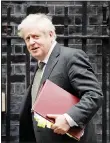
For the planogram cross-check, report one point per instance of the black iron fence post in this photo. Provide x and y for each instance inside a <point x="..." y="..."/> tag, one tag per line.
<point x="8" y="77"/>
<point x="84" y="24"/>
<point x="109" y="67"/>
<point x="65" y="25"/>
<point x="104" y="78"/>
<point x="27" y="61"/>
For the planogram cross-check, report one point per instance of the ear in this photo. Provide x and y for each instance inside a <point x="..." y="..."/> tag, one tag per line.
<point x="51" y="33"/>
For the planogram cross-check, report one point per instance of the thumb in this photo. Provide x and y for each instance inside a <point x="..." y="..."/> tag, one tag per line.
<point x="54" y="116"/>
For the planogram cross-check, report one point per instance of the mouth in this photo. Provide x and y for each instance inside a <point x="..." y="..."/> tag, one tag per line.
<point x="34" y="49"/>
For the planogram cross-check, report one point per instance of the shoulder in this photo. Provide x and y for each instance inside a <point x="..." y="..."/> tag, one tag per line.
<point x="73" y="53"/>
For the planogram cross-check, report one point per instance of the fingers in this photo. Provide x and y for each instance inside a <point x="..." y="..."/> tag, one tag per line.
<point x="57" y="130"/>
<point x="60" y="126"/>
<point x="53" y="126"/>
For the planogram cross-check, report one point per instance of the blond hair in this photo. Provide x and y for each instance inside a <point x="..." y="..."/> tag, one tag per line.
<point x="42" y="21"/>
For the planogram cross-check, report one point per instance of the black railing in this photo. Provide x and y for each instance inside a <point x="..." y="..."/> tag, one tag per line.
<point x="84" y="25"/>
<point x="104" y="37"/>
<point x="104" y="78"/>
<point x="8" y="77"/>
<point x="66" y="26"/>
<point x="109" y="67"/>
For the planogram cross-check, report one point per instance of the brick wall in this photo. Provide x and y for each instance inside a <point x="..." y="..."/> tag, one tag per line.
<point x="56" y="9"/>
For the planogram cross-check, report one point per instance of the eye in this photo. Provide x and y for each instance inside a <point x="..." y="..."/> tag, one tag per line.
<point x="35" y="36"/>
<point x="27" y="38"/>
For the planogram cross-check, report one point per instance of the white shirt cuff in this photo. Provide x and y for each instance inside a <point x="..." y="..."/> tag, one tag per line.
<point x="70" y="121"/>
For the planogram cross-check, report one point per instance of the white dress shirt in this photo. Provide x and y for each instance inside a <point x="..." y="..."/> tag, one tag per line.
<point x="70" y="121"/>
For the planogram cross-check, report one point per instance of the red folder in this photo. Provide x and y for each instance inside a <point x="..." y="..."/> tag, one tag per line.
<point x="52" y="99"/>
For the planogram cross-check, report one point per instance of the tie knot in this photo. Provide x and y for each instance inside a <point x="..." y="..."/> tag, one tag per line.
<point x="41" y="65"/>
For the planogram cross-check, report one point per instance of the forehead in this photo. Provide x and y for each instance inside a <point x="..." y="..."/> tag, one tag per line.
<point x="31" y="30"/>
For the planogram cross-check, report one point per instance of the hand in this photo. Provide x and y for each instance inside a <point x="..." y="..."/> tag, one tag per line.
<point x="60" y="126"/>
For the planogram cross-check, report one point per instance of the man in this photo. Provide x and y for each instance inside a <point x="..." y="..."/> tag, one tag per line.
<point x="68" y="68"/>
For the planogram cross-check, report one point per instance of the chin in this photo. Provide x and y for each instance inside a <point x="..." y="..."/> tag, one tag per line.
<point x="37" y="56"/>
<point x="34" y="56"/>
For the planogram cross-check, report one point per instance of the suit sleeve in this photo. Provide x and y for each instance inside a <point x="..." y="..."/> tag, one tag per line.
<point x="84" y="81"/>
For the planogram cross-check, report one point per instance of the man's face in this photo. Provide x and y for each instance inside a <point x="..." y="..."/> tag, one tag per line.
<point x="37" y="42"/>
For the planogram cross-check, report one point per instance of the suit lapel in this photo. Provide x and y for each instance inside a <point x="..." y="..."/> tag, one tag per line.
<point x="51" y="63"/>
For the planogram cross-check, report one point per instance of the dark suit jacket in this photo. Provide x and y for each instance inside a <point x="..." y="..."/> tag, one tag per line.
<point x="70" y="69"/>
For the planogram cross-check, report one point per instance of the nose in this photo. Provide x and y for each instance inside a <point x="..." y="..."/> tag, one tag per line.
<point x="32" y="41"/>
